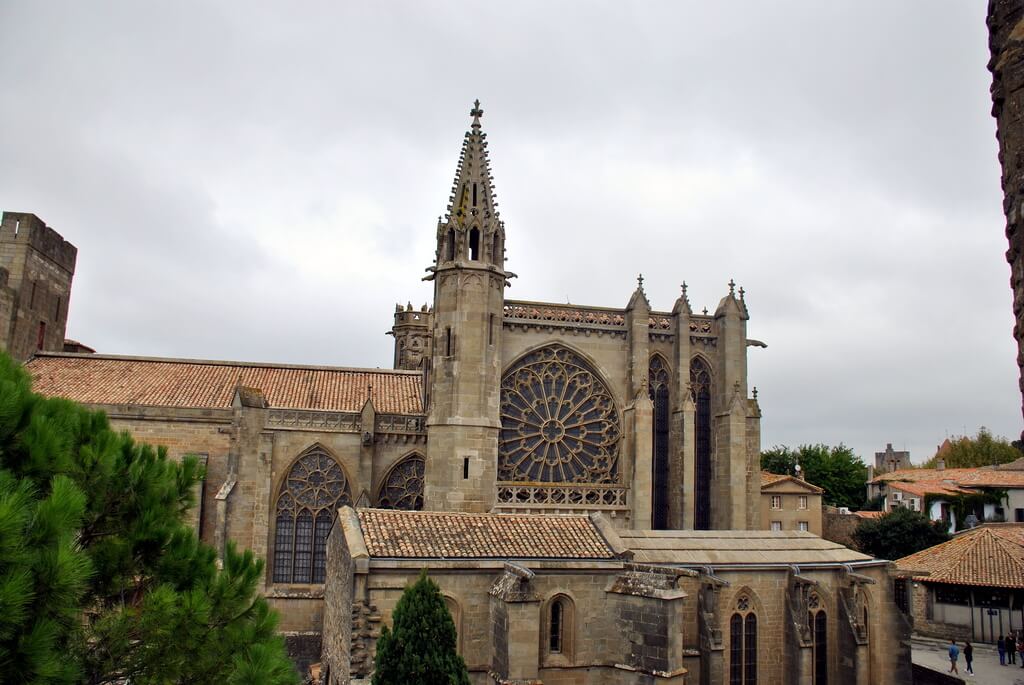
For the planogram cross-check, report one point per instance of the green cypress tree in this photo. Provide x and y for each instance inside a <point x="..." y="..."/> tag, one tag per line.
<point x="100" y="580"/>
<point x="421" y="647"/>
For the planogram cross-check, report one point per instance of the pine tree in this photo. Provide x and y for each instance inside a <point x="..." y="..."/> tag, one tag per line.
<point x="421" y="646"/>
<point x="100" y="580"/>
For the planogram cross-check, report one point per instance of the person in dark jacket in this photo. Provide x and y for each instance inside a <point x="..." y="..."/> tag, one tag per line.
<point x="1001" y="646"/>
<point x="969" y="657"/>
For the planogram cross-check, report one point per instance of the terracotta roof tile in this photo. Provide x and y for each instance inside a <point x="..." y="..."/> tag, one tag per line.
<point x="102" y="379"/>
<point x="432" y="535"/>
<point x="912" y="475"/>
<point x="868" y="514"/>
<point x="769" y="479"/>
<point x="994" y="478"/>
<point x="928" y="487"/>
<point x="991" y="555"/>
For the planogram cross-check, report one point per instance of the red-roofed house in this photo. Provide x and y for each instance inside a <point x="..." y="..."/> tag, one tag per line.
<point x="933" y="491"/>
<point x="971" y="587"/>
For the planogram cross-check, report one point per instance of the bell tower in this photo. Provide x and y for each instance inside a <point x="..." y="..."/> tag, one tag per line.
<point x="464" y="376"/>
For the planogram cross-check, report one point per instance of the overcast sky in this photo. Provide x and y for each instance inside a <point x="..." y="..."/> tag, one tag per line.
<point x="260" y="181"/>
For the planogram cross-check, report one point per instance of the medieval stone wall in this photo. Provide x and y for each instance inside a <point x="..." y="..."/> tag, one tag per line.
<point x="1006" y="44"/>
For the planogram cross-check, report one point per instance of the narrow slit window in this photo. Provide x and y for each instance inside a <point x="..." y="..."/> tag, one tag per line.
<point x="555" y="631"/>
<point x="490" y="329"/>
<point x="56" y="311"/>
<point x="32" y="297"/>
<point x="450" y="245"/>
<point x="41" y="340"/>
<point x="448" y="342"/>
<point x="465" y="468"/>
<point x="474" y="195"/>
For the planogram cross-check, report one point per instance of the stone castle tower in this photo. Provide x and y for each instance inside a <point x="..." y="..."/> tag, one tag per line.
<point x="36" y="269"/>
<point x="464" y="374"/>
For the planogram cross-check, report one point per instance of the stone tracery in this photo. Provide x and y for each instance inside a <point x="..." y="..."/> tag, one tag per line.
<point x="403" y="487"/>
<point x="314" y="489"/>
<point x="559" y="423"/>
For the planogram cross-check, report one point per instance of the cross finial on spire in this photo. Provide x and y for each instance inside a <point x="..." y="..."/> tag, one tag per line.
<point x="742" y="292"/>
<point x="755" y="392"/>
<point x="732" y="287"/>
<point x="476" y="113"/>
<point x="640" y="281"/>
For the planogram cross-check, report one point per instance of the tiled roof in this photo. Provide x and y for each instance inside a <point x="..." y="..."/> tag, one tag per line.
<point x="991" y="555"/>
<point x="912" y="475"/>
<point x="770" y="479"/>
<point x="103" y="379"/>
<point x="727" y="547"/>
<point x="433" y="535"/>
<point x="994" y="478"/>
<point x="869" y="514"/>
<point x="922" y="488"/>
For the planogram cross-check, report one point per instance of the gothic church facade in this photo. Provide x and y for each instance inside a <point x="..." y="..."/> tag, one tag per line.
<point x="593" y="427"/>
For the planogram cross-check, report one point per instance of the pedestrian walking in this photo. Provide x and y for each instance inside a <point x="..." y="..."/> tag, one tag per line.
<point x="1011" y="647"/>
<point x="1001" y="646"/>
<point x="969" y="657"/>
<point x="954" y="655"/>
<point x="1020" y="649"/>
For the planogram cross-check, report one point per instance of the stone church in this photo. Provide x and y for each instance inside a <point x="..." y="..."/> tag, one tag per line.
<point x="582" y="481"/>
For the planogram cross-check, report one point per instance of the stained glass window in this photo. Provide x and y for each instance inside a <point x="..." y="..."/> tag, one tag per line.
<point x="313" y="490"/>
<point x="743" y="644"/>
<point x="700" y="383"/>
<point x="658" y="386"/>
<point x="559" y="423"/>
<point x="403" y="487"/>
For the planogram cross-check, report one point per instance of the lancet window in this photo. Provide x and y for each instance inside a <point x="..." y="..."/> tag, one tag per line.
<point x="474" y="241"/>
<point x="559" y="423"/>
<point x="700" y="384"/>
<point x="743" y="643"/>
<point x="313" y="490"/>
<point x="558" y="629"/>
<point x="817" y="621"/>
<point x="403" y="486"/>
<point x="658" y="387"/>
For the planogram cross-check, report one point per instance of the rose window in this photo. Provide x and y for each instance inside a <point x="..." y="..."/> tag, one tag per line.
<point x="558" y="422"/>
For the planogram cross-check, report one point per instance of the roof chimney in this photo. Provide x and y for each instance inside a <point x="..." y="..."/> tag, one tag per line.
<point x="940" y="464"/>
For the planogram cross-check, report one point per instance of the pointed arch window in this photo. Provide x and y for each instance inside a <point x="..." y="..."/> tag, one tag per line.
<point x="743" y="643"/>
<point x="311" y="493"/>
<point x="658" y="387"/>
<point x="559" y="423"/>
<point x="700" y="384"/>
<point x="403" y="486"/>
<point x="817" y="621"/>
<point x="450" y="245"/>
<point x="474" y="244"/>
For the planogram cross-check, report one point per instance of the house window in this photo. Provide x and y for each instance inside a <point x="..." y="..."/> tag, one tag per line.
<point x="1018" y="515"/>
<point x="776" y="525"/>
<point x="776" y="501"/>
<point x="313" y="490"/>
<point x="899" y="588"/>
<point x="913" y="504"/>
<point x="803" y="526"/>
<point x="803" y="501"/>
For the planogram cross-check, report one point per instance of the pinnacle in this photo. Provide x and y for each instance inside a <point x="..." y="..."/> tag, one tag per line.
<point x="472" y="195"/>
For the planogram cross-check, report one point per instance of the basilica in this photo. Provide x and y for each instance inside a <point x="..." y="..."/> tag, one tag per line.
<point x="583" y="482"/>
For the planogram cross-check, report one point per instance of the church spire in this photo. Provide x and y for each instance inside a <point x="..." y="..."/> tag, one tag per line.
<point x="471" y="229"/>
<point x="473" y="191"/>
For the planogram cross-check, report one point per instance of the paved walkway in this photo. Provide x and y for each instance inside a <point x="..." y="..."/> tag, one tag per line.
<point x="986" y="665"/>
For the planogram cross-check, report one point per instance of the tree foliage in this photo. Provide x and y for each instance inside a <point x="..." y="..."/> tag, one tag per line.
<point x="100" y="580"/>
<point x="421" y="647"/>
<point x="984" y="449"/>
<point x="899" y="533"/>
<point x="837" y="470"/>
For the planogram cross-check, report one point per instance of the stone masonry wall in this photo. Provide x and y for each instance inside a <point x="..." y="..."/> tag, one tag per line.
<point x="1006" y="44"/>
